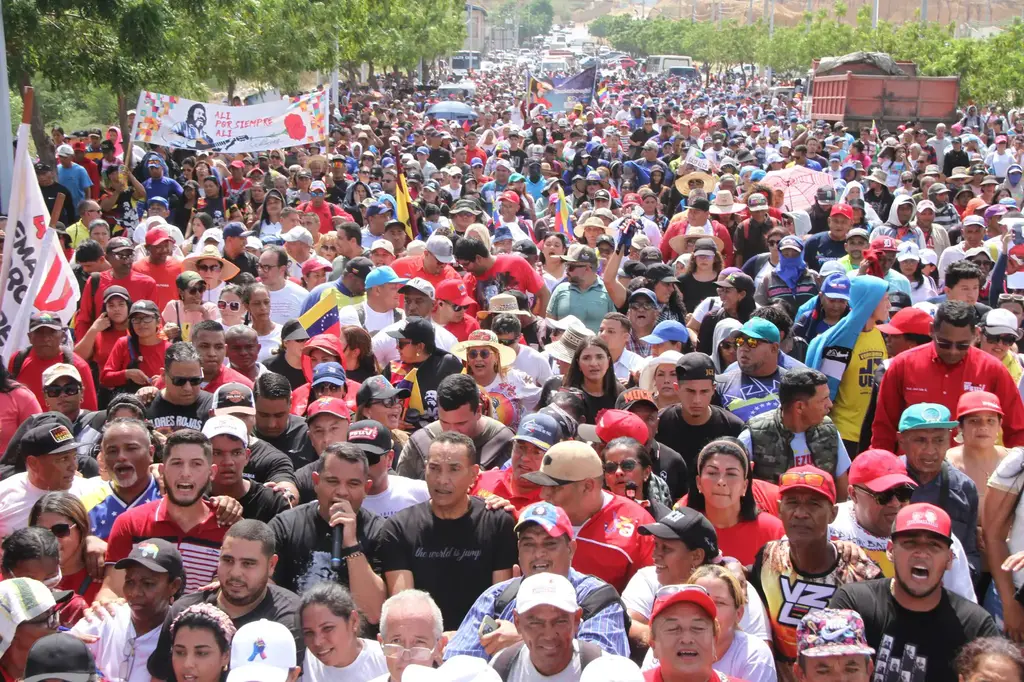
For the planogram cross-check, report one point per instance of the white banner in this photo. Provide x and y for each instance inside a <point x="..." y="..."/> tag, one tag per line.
<point x="698" y="160"/>
<point x="35" y="274"/>
<point x="183" y="123"/>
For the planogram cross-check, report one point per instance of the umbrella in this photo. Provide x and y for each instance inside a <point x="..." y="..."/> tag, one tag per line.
<point x="456" y="111"/>
<point x="798" y="185"/>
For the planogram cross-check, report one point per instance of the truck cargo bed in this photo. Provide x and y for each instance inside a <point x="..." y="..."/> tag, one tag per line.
<point x="884" y="99"/>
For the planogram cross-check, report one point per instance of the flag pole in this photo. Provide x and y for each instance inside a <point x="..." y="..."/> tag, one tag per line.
<point x="27" y="99"/>
<point x="6" y="140"/>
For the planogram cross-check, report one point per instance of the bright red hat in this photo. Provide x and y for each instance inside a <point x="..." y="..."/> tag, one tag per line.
<point x="314" y="265"/>
<point x="511" y="197"/>
<point x="807" y="477"/>
<point x="678" y="594"/>
<point x="843" y="210"/>
<point x="923" y="516"/>
<point x="908" y="321"/>
<point x="612" y="424"/>
<point x="978" y="401"/>
<point x="885" y="244"/>
<point x="453" y="291"/>
<point x="335" y="406"/>
<point x="878" y="471"/>
<point x="156" y="236"/>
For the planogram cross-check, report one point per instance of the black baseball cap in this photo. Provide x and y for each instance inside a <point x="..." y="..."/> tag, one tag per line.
<point x="700" y="204"/>
<point x="417" y="330"/>
<point x="144" y="307"/>
<point x="60" y="656"/>
<point x="234" y="398"/>
<point x="157" y="555"/>
<point x="525" y="247"/>
<point x="292" y="330"/>
<point x="695" y="366"/>
<point x="51" y="439"/>
<point x="660" y="272"/>
<point x="117" y="292"/>
<point x="372" y="437"/>
<point x="689" y="526"/>
<point x="378" y="388"/>
<point x="359" y="266"/>
<point x="634" y="396"/>
<point x="45" y="321"/>
<point x="568" y="426"/>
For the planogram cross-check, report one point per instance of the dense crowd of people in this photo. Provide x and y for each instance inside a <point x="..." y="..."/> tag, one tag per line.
<point x="613" y="403"/>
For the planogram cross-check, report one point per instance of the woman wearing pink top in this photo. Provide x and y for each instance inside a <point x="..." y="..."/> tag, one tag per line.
<point x="17" y="403"/>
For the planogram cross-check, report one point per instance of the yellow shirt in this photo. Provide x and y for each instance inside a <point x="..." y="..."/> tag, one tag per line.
<point x="851" y="403"/>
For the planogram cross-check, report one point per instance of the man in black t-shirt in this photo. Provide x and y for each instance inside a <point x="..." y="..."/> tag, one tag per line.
<point x="304" y="534"/>
<point x="230" y="441"/>
<point x="666" y="462"/>
<point x="451" y="546"/>
<point x="695" y="422"/>
<point x="180" y="404"/>
<point x="245" y="593"/>
<point x="275" y="422"/>
<point x="912" y="621"/>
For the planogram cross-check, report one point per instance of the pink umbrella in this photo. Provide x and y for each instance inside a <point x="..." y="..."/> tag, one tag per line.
<point x="798" y="185"/>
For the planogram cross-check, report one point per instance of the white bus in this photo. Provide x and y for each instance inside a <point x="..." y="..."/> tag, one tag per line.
<point x="661" y="63"/>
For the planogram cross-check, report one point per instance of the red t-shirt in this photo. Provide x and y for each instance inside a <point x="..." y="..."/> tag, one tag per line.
<point x="199" y="546"/>
<point x="508" y="272"/>
<point x="744" y="539"/>
<point x="227" y="375"/>
<point x="609" y="545"/>
<point x="150" y="361"/>
<point x="654" y="675"/>
<point x="498" y="482"/>
<point x="412" y="266"/>
<point x="104" y="344"/>
<point x="164" y="276"/>
<point x="463" y="328"/>
<point x="324" y="213"/>
<point x="138" y="285"/>
<point x="31" y="376"/>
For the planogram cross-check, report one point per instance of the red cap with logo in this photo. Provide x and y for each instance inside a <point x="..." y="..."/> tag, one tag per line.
<point x="843" y="210"/>
<point x="885" y="244"/>
<point x="923" y="516"/>
<point x="670" y="595"/>
<point x="453" y="291"/>
<point x="552" y="519"/>
<point x="908" y="321"/>
<point x="978" y="401"/>
<point x="878" y="471"/>
<point x="157" y="235"/>
<point x="335" y="406"/>
<point x="510" y="197"/>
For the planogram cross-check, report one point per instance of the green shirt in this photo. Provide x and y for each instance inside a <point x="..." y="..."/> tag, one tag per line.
<point x="589" y="306"/>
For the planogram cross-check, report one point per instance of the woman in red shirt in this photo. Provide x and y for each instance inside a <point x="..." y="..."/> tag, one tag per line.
<point x="109" y="327"/>
<point x="64" y="515"/>
<point x="139" y="356"/>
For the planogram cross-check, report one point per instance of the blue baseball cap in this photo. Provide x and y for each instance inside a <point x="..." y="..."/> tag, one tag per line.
<point x="476" y="162"/>
<point x="552" y="519"/>
<point x="926" y="416"/>
<point x="234" y="230"/>
<point x="669" y="330"/>
<point x="502" y="233"/>
<point x="159" y="200"/>
<point x="275" y="239"/>
<point x="378" y="209"/>
<point x="328" y="373"/>
<point x="758" y="328"/>
<point x="538" y="429"/>
<point x="791" y="242"/>
<point x="383" y="275"/>
<point x="836" y="286"/>
<point x="422" y="150"/>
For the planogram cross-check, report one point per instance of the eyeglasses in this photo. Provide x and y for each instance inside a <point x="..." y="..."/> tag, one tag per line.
<point x="946" y="345"/>
<point x="123" y="254"/>
<point x="234" y="306"/>
<point x="72" y="388"/>
<point x="386" y="402"/>
<point x="181" y="381"/>
<point x="1004" y="339"/>
<point x="216" y="267"/>
<point x="61" y="530"/>
<point x="143" y="318"/>
<point x="265" y="268"/>
<point x="798" y="477"/>
<point x="482" y="353"/>
<point x="626" y="465"/>
<point x="903" y="494"/>
<point x="749" y="341"/>
<point x="326" y="387"/>
<point x="671" y="590"/>
<point x="416" y="653"/>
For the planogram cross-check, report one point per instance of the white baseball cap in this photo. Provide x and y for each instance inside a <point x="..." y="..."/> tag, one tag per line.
<point x="226" y="425"/>
<point x="455" y="669"/>
<point x="65" y="150"/>
<point x="383" y="244"/>
<point x="547" y="589"/>
<point x="263" y="651"/>
<point x="297" y="234"/>
<point x="612" y="669"/>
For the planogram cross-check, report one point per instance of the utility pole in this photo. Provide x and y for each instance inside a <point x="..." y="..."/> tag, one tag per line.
<point x="693" y="13"/>
<point x="750" y="12"/>
<point x="924" y="11"/>
<point x="874" y="14"/>
<point x="771" y="34"/>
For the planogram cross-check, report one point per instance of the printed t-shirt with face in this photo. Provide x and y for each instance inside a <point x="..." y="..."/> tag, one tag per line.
<point x="167" y="417"/>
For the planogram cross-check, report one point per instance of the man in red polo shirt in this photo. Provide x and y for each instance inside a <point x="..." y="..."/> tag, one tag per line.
<point x="160" y="266"/>
<point x="323" y="209"/>
<point x="45" y="333"/>
<point x="450" y="311"/>
<point x="435" y="265"/>
<point x="120" y="255"/>
<point x="182" y="516"/>
<point x="609" y="545"/>
<point x="537" y="433"/>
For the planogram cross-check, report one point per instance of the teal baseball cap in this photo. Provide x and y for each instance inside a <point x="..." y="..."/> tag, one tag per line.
<point x="758" y="328"/>
<point x="926" y="416"/>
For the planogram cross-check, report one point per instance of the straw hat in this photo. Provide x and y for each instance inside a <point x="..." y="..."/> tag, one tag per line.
<point x="669" y="358"/>
<point x="590" y="222"/>
<point x="565" y="348"/>
<point x="503" y="303"/>
<point x="724" y="204"/>
<point x="693" y="233"/>
<point x="484" y="338"/>
<point x="211" y="252"/>
<point x="683" y="183"/>
<point x="959" y="173"/>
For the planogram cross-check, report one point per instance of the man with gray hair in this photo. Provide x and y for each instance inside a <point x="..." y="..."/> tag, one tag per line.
<point x="411" y="631"/>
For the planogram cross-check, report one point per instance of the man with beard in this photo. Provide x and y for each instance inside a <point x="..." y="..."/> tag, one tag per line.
<point x="187" y="471"/>
<point x="244" y="591"/>
<point x="914" y="623"/>
<point x="127" y="454"/>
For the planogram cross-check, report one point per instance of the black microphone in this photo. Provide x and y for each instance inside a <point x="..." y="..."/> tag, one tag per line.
<point x="336" y="547"/>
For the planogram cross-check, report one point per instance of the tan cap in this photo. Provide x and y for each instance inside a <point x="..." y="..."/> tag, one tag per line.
<point x="567" y="462"/>
<point x="54" y="372"/>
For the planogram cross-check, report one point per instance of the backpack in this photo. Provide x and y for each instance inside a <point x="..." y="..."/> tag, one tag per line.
<point x="504" y="660"/>
<point x="596" y="600"/>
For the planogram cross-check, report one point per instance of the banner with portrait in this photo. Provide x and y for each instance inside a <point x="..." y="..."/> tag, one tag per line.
<point x="562" y="94"/>
<point x="185" y="124"/>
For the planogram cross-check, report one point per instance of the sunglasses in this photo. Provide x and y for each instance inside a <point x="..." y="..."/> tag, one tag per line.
<point x="507" y="342"/>
<point x="772" y="243"/>
<point x="946" y="345"/>
<point x="209" y="268"/>
<point x="1003" y="298"/>
<point x="197" y="290"/>
<point x="626" y="465"/>
<point x="181" y="381"/>
<point x="61" y="530"/>
<point x="802" y="477"/>
<point x="402" y="343"/>
<point x="641" y="306"/>
<point x="1004" y="339"/>
<point x="482" y="353"/>
<point x="750" y="342"/>
<point x="229" y="305"/>
<point x="903" y="494"/>
<point x="67" y="389"/>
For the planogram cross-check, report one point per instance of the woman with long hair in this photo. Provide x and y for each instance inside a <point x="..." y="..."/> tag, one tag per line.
<point x="213" y="202"/>
<point x="269" y="221"/>
<point x="908" y="260"/>
<point x="330" y="630"/>
<point x="17" y="403"/>
<point x="198" y="224"/>
<point x="628" y="472"/>
<point x="701" y="278"/>
<point x="591" y="372"/>
<point x="419" y="370"/>
<point x="201" y="644"/>
<point x="139" y="357"/>
<point x="724" y="494"/>
<point x="356" y="193"/>
<point x="327" y="247"/>
<point x="230" y="306"/>
<point x="512" y="392"/>
<point x="554" y="246"/>
<point x="658" y="377"/>
<point x="357" y="358"/>
<point x="736" y="292"/>
<point x="990" y="658"/>
<point x="287" y="359"/>
<point x="64" y="515"/>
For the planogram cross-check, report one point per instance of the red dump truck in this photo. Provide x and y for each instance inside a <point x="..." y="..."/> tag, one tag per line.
<point x="868" y="86"/>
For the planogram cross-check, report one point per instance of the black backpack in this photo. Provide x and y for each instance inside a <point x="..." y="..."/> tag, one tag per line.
<point x="19" y="360"/>
<point x="502" y="663"/>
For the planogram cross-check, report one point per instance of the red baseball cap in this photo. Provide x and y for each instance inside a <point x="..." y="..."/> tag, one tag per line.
<point x="510" y="197"/>
<point x="552" y="519"/>
<point x="157" y="235"/>
<point x="808" y="477"/>
<point x="631" y="198"/>
<point x="843" y="210"/>
<point x="884" y="244"/>
<point x="1001" y="138"/>
<point x="612" y="424"/>
<point x="908" y="321"/>
<point x="335" y="406"/>
<point x="670" y="595"/>
<point x="237" y="164"/>
<point x="923" y="516"/>
<point x="878" y="471"/>
<point x="453" y="291"/>
<point x="315" y="265"/>
<point x="978" y="401"/>
<point x="79" y="146"/>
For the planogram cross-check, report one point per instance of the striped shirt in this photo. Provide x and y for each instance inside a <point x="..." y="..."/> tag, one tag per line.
<point x="199" y="546"/>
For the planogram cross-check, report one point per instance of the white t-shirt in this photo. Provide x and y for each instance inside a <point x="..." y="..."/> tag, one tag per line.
<point x="120" y="653"/>
<point x="402" y="493"/>
<point x="706" y="306"/>
<point x="639" y="596"/>
<point x="17" y="496"/>
<point x="1009" y="478"/>
<point x="523" y="669"/>
<point x="385" y="348"/>
<point x="269" y="343"/>
<point x="374" y="321"/>
<point x="533" y="364"/>
<point x="748" y="658"/>
<point x="368" y="664"/>
<point x="286" y="303"/>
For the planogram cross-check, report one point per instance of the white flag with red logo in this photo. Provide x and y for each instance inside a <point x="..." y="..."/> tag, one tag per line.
<point x="35" y="274"/>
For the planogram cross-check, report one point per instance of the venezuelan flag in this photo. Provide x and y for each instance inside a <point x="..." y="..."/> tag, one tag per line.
<point x="602" y="96"/>
<point x="563" y="219"/>
<point x="322" y="318"/>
